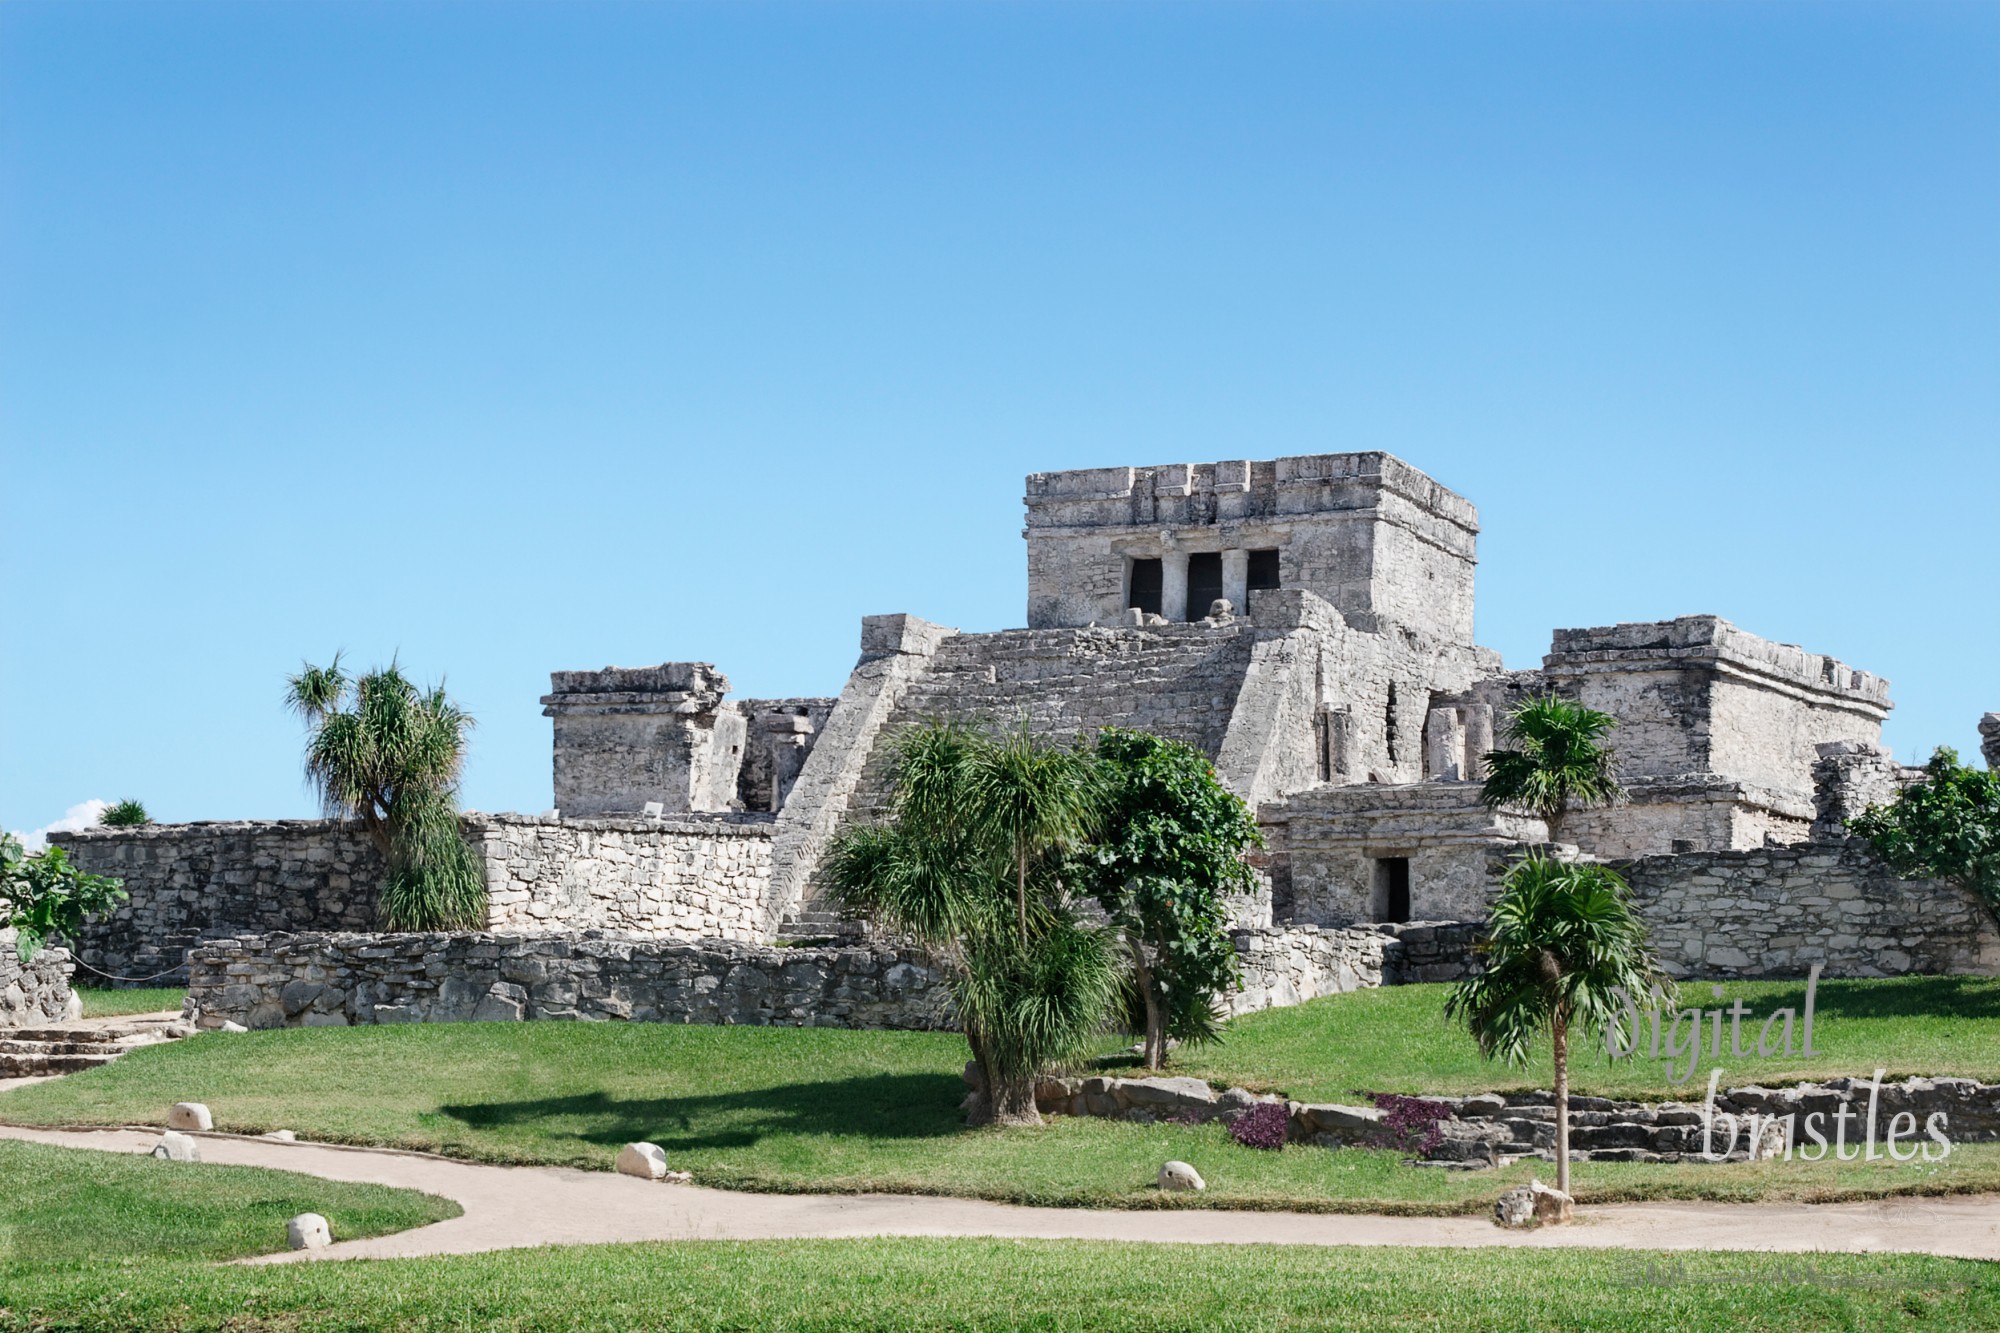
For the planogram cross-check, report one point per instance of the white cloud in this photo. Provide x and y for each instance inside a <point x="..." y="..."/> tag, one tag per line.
<point x="83" y="815"/>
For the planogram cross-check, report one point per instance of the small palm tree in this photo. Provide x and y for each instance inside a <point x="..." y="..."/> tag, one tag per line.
<point x="389" y="755"/>
<point x="1035" y="798"/>
<point x="1031" y="984"/>
<point x="1563" y="937"/>
<point x="125" y="814"/>
<point x="1558" y="762"/>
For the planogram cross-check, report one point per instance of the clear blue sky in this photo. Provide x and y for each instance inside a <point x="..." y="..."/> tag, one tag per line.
<point x="518" y="337"/>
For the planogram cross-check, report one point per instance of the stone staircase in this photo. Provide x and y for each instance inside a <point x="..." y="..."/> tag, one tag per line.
<point x="1178" y="681"/>
<point x="68" y="1048"/>
<point x="812" y="925"/>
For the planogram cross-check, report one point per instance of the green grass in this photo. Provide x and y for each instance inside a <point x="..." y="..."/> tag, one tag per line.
<point x="103" y="1002"/>
<point x="1006" y="1284"/>
<point x="1396" y="1040"/>
<point x="801" y="1109"/>
<point x="105" y="1212"/>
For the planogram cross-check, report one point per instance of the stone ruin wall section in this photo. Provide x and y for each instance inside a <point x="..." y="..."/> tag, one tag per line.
<point x="34" y="992"/>
<point x="190" y="882"/>
<point x="677" y="879"/>
<point x="705" y="878"/>
<point x="1774" y="912"/>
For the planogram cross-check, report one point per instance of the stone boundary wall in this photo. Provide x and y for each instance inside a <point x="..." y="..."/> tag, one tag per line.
<point x="681" y="879"/>
<point x="1287" y="965"/>
<point x="1493" y="1127"/>
<point x="34" y="992"/>
<point x="192" y="882"/>
<point x="1777" y="911"/>
<point x="338" y="980"/>
<point x="705" y="877"/>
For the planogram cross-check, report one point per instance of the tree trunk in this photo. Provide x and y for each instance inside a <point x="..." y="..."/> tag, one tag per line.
<point x="1561" y="1043"/>
<point x="1021" y="893"/>
<point x="999" y="1101"/>
<point x="1156" y="1018"/>
<point x="1012" y="1100"/>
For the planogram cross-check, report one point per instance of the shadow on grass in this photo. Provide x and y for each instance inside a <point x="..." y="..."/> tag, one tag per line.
<point x="1903" y="997"/>
<point x="877" y="1106"/>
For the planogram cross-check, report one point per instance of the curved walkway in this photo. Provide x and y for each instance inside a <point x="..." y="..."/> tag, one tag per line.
<point x="512" y="1206"/>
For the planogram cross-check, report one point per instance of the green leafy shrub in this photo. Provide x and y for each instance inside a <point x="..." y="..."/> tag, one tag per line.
<point x="125" y="814"/>
<point x="46" y="895"/>
<point x="1945" y="827"/>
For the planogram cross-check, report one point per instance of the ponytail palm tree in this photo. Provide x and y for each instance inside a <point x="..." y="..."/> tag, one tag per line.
<point x="1034" y="799"/>
<point x="1558" y="762"/>
<point x="954" y="871"/>
<point x="389" y="755"/>
<point x="1563" y="938"/>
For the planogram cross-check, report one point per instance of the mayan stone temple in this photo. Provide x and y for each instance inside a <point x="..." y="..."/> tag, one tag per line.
<point x="1307" y="622"/>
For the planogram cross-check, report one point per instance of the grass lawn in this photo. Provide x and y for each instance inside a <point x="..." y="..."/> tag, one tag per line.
<point x="108" y="1003"/>
<point x="102" y="1213"/>
<point x="1004" y="1284"/>
<point x="1395" y="1039"/>
<point x="819" y="1109"/>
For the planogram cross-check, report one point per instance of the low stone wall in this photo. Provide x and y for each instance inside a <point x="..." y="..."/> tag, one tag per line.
<point x="334" y="980"/>
<point x="192" y="882"/>
<point x="1777" y="911"/>
<point x="1288" y="965"/>
<point x="36" y="991"/>
<point x="685" y="879"/>
<point x="1492" y="1127"/>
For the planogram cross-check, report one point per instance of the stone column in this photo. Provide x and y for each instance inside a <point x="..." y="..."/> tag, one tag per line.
<point x="1236" y="580"/>
<point x="1478" y="740"/>
<point x="1173" y="585"/>
<point x="1444" y="745"/>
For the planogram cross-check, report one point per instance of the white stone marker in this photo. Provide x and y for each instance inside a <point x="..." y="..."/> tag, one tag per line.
<point x="648" y="1161"/>
<point x="308" y="1231"/>
<point x="1181" y="1176"/>
<point x="190" y="1115"/>
<point x="174" y="1147"/>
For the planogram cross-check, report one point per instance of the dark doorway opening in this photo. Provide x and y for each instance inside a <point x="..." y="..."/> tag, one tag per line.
<point x="1145" y="586"/>
<point x="1263" y="571"/>
<point x="1392" y="888"/>
<point x="1204" y="583"/>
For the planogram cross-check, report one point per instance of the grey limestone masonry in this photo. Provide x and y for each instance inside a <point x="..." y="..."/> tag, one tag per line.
<point x="189" y="882"/>
<point x="1369" y="533"/>
<point x="1777" y="911"/>
<point x="344" y="979"/>
<point x="317" y="979"/>
<point x="1307" y="623"/>
<point x="33" y="992"/>
<point x="1989" y="740"/>
<point x="683" y="879"/>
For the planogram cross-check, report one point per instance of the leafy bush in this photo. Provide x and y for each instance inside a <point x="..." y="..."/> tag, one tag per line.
<point x="44" y="894"/>
<point x="1945" y="827"/>
<point x="125" y="814"/>
<point x="1264" y="1125"/>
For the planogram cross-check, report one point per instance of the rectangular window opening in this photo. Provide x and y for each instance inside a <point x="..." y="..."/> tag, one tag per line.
<point x="1263" y="570"/>
<point x="1145" y="580"/>
<point x="1204" y="583"/>
<point x="1392" y="888"/>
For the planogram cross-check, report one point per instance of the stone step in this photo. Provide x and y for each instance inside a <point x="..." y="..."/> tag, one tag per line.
<point x="39" y="1065"/>
<point x="10" y="1046"/>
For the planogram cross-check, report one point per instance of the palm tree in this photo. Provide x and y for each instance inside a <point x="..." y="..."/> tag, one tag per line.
<point x="1563" y="938"/>
<point x="1030" y="983"/>
<point x="1035" y="798"/>
<point x="385" y="753"/>
<point x="1559" y="761"/>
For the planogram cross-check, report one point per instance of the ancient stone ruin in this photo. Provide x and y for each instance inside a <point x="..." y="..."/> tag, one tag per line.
<point x="1306" y="622"/>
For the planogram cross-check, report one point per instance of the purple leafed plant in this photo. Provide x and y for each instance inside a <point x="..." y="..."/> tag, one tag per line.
<point x="1410" y="1123"/>
<point x="1264" y="1125"/>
